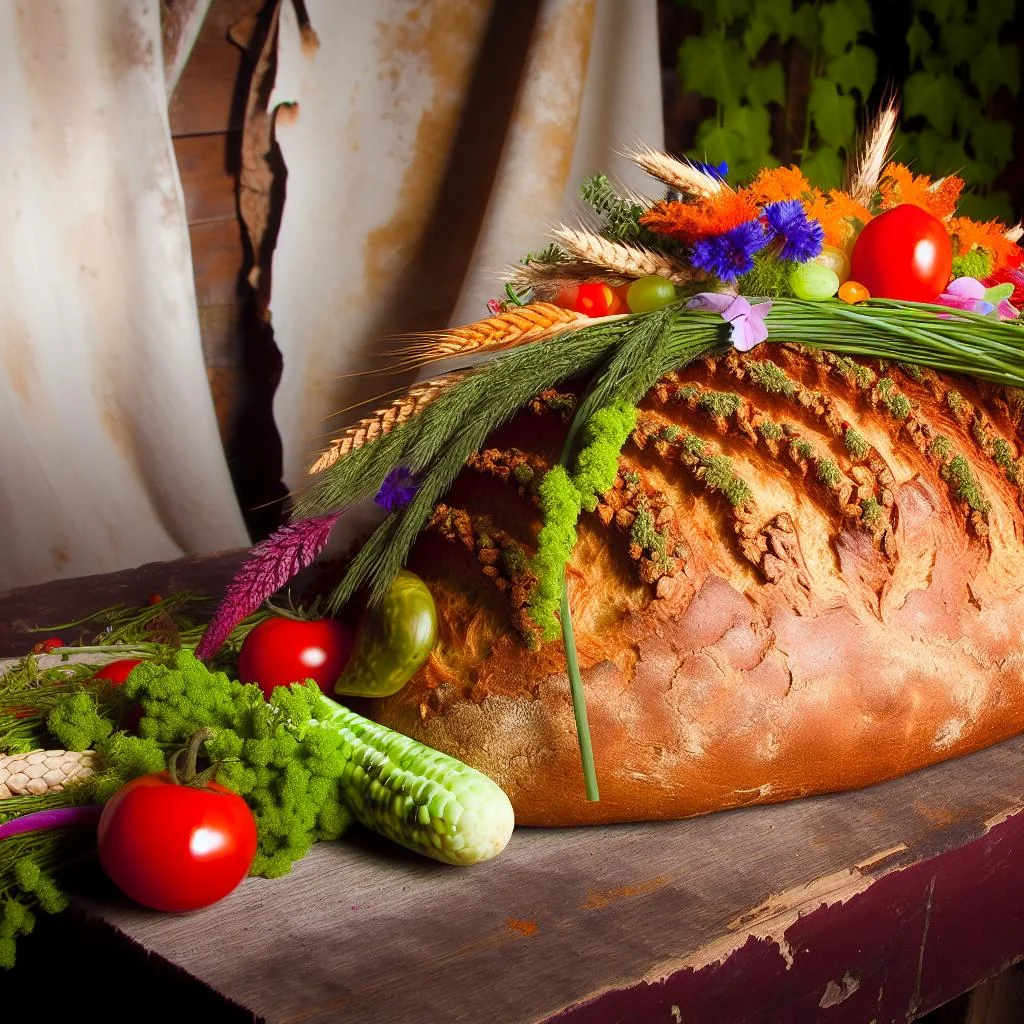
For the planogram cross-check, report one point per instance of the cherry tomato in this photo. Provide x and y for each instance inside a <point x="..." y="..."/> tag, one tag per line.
<point x="117" y="672"/>
<point x="648" y="293"/>
<point x="47" y="645"/>
<point x="566" y="297"/>
<point x="903" y="253"/>
<point x="280" y="651"/>
<point x="595" y="299"/>
<point x="853" y="291"/>
<point x="174" y="847"/>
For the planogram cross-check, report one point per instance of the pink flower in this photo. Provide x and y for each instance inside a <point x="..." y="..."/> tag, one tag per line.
<point x="747" y="322"/>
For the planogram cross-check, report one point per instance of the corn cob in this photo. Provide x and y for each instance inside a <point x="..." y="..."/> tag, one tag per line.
<point x="42" y="771"/>
<point x="418" y="797"/>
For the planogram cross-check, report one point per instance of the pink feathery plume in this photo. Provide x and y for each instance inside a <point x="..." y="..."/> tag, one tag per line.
<point x="270" y="565"/>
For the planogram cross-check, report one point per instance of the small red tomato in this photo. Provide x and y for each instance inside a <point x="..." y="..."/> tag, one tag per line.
<point x="154" y="599"/>
<point x="903" y="253"/>
<point x="47" y="645"/>
<point x="280" y="651"/>
<point x="566" y="297"/>
<point x="176" y="847"/>
<point x="595" y="299"/>
<point x="117" y="672"/>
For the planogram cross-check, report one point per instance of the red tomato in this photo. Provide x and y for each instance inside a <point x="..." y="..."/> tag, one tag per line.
<point x="174" y="847"/>
<point x="595" y="299"/>
<point x="280" y="651"/>
<point x="117" y="672"/>
<point x="903" y="253"/>
<point x="50" y="644"/>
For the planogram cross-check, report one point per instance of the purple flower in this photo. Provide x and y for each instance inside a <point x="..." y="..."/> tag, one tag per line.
<point x="746" y="322"/>
<point x="801" y="238"/>
<point x="730" y="255"/>
<point x="713" y="170"/>
<point x="398" y="489"/>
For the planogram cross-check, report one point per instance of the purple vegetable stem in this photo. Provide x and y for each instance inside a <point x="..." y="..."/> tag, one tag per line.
<point x="56" y="817"/>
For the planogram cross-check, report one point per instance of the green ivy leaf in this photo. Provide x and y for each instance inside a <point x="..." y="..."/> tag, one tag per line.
<point x="839" y="28"/>
<point x="905" y="147"/>
<point x="992" y="15"/>
<point x="967" y="115"/>
<point x="919" y="41"/>
<point x="937" y="97"/>
<point x="753" y="124"/>
<point x="766" y="85"/>
<point x="992" y="142"/>
<point x="939" y="9"/>
<point x="715" y="143"/>
<point x="824" y="168"/>
<point x="770" y="18"/>
<point x="714" y="67"/>
<point x="833" y="114"/>
<point x="720" y="12"/>
<point x="961" y="41"/>
<point x="806" y="26"/>
<point x="854" y="69"/>
<point x="938" y="154"/>
<point x="995" y="66"/>
<point x="994" y="206"/>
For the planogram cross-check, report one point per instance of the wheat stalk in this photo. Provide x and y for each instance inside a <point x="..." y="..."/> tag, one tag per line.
<point x="1014" y="234"/>
<point x="867" y="169"/>
<point x="677" y="174"/>
<point x="618" y="258"/>
<point x="515" y="326"/>
<point x="383" y="421"/>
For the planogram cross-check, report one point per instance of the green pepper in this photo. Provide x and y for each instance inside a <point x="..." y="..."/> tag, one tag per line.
<point x="392" y="641"/>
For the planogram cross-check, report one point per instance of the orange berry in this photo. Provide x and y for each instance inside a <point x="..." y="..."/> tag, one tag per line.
<point x="853" y="291"/>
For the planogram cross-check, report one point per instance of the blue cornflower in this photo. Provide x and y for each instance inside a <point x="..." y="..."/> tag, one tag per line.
<point x="801" y="238"/>
<point x="398" y="489"/>
<point x="714" y="170"/>
<point x="730" y="255"/>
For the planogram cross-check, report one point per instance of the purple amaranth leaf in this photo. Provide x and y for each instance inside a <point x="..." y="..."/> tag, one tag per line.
<point x="270" y="565"/>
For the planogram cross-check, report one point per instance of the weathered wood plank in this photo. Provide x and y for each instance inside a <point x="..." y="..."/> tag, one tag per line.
<point x="207" y="179"/>
<point x="217" y="258"/>
<point x="207" y="98"/>
<point x="856" y="901"/>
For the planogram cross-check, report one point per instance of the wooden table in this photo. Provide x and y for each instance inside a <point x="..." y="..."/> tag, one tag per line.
<point x="877" y="905"/>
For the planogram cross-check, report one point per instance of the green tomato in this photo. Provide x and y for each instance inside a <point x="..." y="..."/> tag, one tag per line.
<point x="393" y="640"/>
<point x="649" y="293"/>
<point x="813" y="281"/>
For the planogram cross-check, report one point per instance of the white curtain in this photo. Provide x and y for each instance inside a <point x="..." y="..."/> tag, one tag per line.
<point x="400" y="212"/>
<point x="109" y="450"/>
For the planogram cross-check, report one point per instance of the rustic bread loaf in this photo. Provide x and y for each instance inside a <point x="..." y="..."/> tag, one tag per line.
<point x="809" y="577"/>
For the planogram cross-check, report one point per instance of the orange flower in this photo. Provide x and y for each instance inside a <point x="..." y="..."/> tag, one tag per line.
<point x="711" y="216"/>
<point x="840" y="215"/>
<point x="773" y="184"/>
<point x="899" y="185"/>
<point x="967" y="234"/>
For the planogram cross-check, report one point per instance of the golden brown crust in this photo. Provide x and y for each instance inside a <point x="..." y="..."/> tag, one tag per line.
<point x="837" y="601"/>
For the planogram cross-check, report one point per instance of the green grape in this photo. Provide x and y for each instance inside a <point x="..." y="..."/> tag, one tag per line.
<point x="650" y="293"/>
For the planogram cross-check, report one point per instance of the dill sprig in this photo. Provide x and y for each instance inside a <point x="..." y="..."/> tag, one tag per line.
<point x="621" y="216"/>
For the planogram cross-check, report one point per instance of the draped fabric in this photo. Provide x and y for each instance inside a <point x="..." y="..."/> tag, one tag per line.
<point x="109" y="449"/>
<point x="427" y="145"/>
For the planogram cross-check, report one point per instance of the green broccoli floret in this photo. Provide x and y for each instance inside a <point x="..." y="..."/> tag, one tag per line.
<point x="75" y="722"/>
<point x="287" y="771"/>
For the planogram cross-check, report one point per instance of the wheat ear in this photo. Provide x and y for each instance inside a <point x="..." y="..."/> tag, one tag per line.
<point x="677" y="174"/>
<point x="515" y="326"/>
<point x="618" y="258"/>
<point x="384" y="420"/>
<point x="867" y="169"/>
<point x="1014" y="234"/>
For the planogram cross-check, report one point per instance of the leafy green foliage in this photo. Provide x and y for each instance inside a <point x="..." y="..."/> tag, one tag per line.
<point x="735" y="62"/>
<point x="958" y="67"/>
